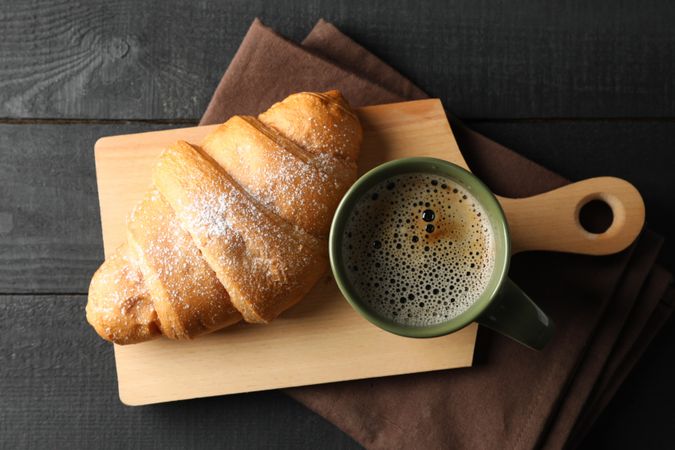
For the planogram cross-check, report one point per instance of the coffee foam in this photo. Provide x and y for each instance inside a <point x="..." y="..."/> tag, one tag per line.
<point x="418" y="249"/>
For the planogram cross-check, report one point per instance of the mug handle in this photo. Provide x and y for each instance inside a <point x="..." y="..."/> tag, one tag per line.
<point x="513" y="314"/>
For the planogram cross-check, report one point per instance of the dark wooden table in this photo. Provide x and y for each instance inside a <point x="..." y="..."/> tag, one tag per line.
<point x="583" y="90"/>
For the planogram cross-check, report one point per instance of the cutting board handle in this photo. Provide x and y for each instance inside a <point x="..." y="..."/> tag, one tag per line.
<point x="550" y="221"/>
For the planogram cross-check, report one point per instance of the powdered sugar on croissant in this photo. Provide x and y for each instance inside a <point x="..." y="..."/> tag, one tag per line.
<point x="235" y="228"/>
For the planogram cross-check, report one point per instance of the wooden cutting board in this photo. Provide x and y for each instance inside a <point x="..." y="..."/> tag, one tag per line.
<point x="322" y="339"/>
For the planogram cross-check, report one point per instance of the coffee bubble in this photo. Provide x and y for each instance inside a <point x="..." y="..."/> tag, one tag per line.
<point x="418" y="249"/>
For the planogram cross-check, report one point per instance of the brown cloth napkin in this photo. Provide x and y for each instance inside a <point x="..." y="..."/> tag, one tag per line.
<point x="606" y="309"/>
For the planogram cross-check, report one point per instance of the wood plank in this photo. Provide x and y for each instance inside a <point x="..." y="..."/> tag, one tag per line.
<point x="419" y="128"/>
<point x="295" y="349"/>
<point x="484" y="59"/>
<point x="50" y="233"/>
<point x="50" y="239"/>
<point x="58" y="390"/>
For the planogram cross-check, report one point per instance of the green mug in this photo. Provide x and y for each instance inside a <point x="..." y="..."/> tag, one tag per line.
<point x="502" y="306"/>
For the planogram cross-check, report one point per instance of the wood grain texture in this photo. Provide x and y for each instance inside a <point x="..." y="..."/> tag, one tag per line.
<point x="71" y="400"/>
<point x="49" y="217"/>
<point x="163" y="58"/>
<point x="550" y="221"/>
<point x="320" y="340"/>
<point x="58" y="390"/>
<point x="491" y="59"/>
<point x="50" y="237"/>
<point x="640" y="152"/>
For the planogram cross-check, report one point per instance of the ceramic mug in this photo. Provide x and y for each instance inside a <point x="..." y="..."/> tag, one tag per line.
<point x="502" y="306"/>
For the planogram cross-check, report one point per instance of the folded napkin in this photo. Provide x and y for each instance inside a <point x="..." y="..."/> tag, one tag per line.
<point x="606" y="309"/>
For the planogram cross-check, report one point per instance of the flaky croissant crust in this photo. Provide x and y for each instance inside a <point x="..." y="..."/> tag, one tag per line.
<point x="232" y="229"/>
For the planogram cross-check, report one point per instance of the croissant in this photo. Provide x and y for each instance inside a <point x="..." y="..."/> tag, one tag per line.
<point x="233" y="229"/>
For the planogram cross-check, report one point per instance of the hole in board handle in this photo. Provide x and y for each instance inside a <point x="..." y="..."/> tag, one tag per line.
<point x="596" y="216"/>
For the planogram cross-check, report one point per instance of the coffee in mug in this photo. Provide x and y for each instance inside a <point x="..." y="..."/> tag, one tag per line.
<point x="419" y="249"/>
